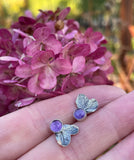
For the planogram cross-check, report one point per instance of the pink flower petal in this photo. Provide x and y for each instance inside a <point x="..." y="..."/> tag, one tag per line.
<point x="26" y="20"/>
<point x="20" y="32"/>
<point x="67" y="85"/>
<point x="78" y="81"/>
<point x="46" y="56"/>
<point x="96" y="36"/>
<point x="3" y="109"/>
<point x="108" y="55"/>
<point x="62" y="66"/>
<point x="98" y="53"/>
<point x="100" y="60"/>
<point x="20" y="85"/>
<point x="7" y="81"/>
<point x="93" y="36"/>
<point x="102" y="41"/>
<point x="41" y="59"/>
<point x="11" y="59"/>
<point x="71" y="35"/>
<point x="47" y="79"/>
<point x="24" y="102"/>
<point x="53" y="44"/>
<point x="80" y="50"/>
<point x="100" y="78"/>
<point x="88" y="32"/>
<point x="29" y="14"/>
<point x="23" y="71"/>
<point x="27" y="41"/>
<point x="65" y="49"/>
<point x="107" y="68"/>
<point x="5" y="34"/>
<point x="64" y="13"/>
<point x="93" y="46"/>
<point x="90" y="68"/>
<point x="8" y="58"/>
<point x="78" y="64"/>
<point x="51" y="26"/>
<point x="33" y="85"/>
<point x="33" y="48"/>
<point x="41" y="33"/>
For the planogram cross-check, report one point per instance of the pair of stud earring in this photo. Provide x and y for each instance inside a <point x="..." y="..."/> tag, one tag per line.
<point x="62" y="131"/>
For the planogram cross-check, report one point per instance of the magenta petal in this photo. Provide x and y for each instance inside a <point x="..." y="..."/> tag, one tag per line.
<point x="78" y="64"/>
<point x="99" y="79"/>
<point x="26" y="20"/>
<point x="29" y="14"/>
<point x="65" y="49"/>
<point x="107" y="67"/>
<point x="78" y="81"/>
<point x="41" y="33"/>
<point x="33" y="48"/>
<point x="53" y="44"/>
<point x="100" y="61"/>
<point x="5" y="34"/>
<point x="8" y="58"/>
<point x="62" y="66"/>
<point x="64" y="13"/>
<point x="96" y="36"/>
<point x="71" y="35"/>
<point x="27" y="41"/>
<point x="93" y="46"/>
<point x="108" y="55"/>
<point x="67" y="85"/>
<point x="88" y="32"/>
<point x="7" y="81"/>
<point x="47" y="79"/>
<point x="51" y="26"/>
<point x="36" y="61"/>
<point x="23" y="71"/>
<point x="98" y="53"/>
<point x="41" y="59"/>
<point x="21" y="32"/>
<point x="46" y="56"/>
<point x="90" y="68"/>
<point x="33" y="85"/>
<point x="24" y="102"/>
<point x="79" y="50"/>
<point x="11" y="59"/>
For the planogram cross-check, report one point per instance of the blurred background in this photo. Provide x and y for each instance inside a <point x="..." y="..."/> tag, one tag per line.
<point x="114" y="18"/>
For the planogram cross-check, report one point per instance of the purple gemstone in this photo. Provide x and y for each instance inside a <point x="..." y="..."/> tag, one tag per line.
<point x="56" y="126"/>
<point x="79" y="114"/>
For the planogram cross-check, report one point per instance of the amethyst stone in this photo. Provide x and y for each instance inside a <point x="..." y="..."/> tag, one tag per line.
<point x="56" y="126"/>
<point x="79" y="114"/>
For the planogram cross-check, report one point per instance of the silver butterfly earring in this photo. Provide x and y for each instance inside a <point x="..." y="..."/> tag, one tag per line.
<point x="63" y="132"/>
<point x="84" y="106"/>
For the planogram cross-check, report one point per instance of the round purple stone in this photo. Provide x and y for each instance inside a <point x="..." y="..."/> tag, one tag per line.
<point x="79" y="114"/>
<point x="56" y="126"/>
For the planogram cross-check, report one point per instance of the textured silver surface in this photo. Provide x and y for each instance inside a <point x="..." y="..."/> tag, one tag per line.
<point x="89" y="105"/>
<point x="70" y="129"/>
<point x="64" y="136"/>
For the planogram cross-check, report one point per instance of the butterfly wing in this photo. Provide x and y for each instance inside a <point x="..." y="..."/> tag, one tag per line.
<point x="63" y="138"/>
<point x="92" y="106"/>
<point x="82" y="101"/>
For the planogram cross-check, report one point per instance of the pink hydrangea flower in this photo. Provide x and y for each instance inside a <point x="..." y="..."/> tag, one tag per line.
<point x="43" y="71"/>
<point x="47" y="56"/>
<point x="44" y="40"/>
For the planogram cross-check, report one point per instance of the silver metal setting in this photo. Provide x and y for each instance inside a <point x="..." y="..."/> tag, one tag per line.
<point x="89" y="105"/>
<point x="63" y="137"/>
